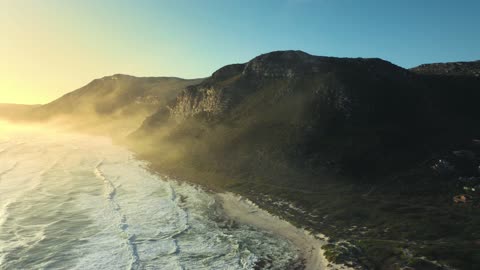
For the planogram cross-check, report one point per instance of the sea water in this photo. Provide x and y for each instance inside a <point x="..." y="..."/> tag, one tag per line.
<point x="72" y="201"/>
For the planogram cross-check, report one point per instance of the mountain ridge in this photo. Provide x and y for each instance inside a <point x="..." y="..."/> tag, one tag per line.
<point x="463" y="68"/>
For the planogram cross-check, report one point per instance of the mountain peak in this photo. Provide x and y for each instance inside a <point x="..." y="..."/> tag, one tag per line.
<point x="283" y="55"/>
<point x="280" y="64"/>
<point x="118" y="76"/>
<point x="292" y="63"/>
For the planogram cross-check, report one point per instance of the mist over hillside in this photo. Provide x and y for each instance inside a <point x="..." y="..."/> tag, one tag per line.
<point x="15" y="111"/>
<point x="363" y="117"/>
<point x="115" y="105"/>
<point x="350" y="142"/>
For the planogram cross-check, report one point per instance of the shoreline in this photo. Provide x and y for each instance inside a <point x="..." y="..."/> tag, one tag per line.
<point x="244" y="211"/>
<point x="310" y="247"/>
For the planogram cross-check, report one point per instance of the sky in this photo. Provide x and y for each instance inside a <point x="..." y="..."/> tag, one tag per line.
<point x="51" y="47"/>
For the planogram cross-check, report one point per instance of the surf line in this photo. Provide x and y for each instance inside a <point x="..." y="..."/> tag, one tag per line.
<point x="110" y="193"/>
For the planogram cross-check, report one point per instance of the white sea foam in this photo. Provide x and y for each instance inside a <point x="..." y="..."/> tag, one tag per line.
<point x="70" y="201"/>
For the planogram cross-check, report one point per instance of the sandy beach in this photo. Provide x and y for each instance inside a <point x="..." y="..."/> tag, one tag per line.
<point x="246" y="212"/>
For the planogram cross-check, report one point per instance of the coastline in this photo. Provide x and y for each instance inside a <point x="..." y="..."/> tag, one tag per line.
<point x="310" y="247"/>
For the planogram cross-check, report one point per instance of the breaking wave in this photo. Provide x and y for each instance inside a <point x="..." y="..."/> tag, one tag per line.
<point x="70" y="201"/>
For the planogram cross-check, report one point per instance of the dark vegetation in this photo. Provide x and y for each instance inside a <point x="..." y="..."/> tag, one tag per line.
<point x="364" y="151"/>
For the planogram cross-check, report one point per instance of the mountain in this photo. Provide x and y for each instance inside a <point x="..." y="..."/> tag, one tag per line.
<point x="114" y="94"/>
<point x="342" y="146"/>
<point x="112" y="104"/>
<point x="364" y="117"/>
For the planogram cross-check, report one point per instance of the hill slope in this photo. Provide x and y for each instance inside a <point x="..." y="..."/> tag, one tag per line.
<point x="365" y="117"/>
<point x="113" y="104"/>
<point x="344" y="141"/>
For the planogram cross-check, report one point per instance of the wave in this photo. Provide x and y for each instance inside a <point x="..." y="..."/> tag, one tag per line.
<point x="79" y="202"/>
<point x="122" y="224"/>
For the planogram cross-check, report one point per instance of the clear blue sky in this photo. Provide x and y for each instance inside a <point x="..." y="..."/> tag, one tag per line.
<point x="406" y="32"/>
<point x="81" y="40"/>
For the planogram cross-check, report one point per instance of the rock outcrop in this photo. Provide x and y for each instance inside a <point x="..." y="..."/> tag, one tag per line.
<point x="341" y="83"/>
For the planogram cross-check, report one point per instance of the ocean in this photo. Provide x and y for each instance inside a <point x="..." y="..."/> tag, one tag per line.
<point x="73" y="201"/>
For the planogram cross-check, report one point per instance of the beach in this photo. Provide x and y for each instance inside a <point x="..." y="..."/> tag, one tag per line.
<point x="310" y="247"/>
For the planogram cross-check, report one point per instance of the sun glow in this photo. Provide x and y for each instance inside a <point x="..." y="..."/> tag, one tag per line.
<point x="4" y="125"/>
<point x="9" y="127"/>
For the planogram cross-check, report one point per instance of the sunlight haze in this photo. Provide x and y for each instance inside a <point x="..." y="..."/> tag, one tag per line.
<point x="240" y="134"/>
